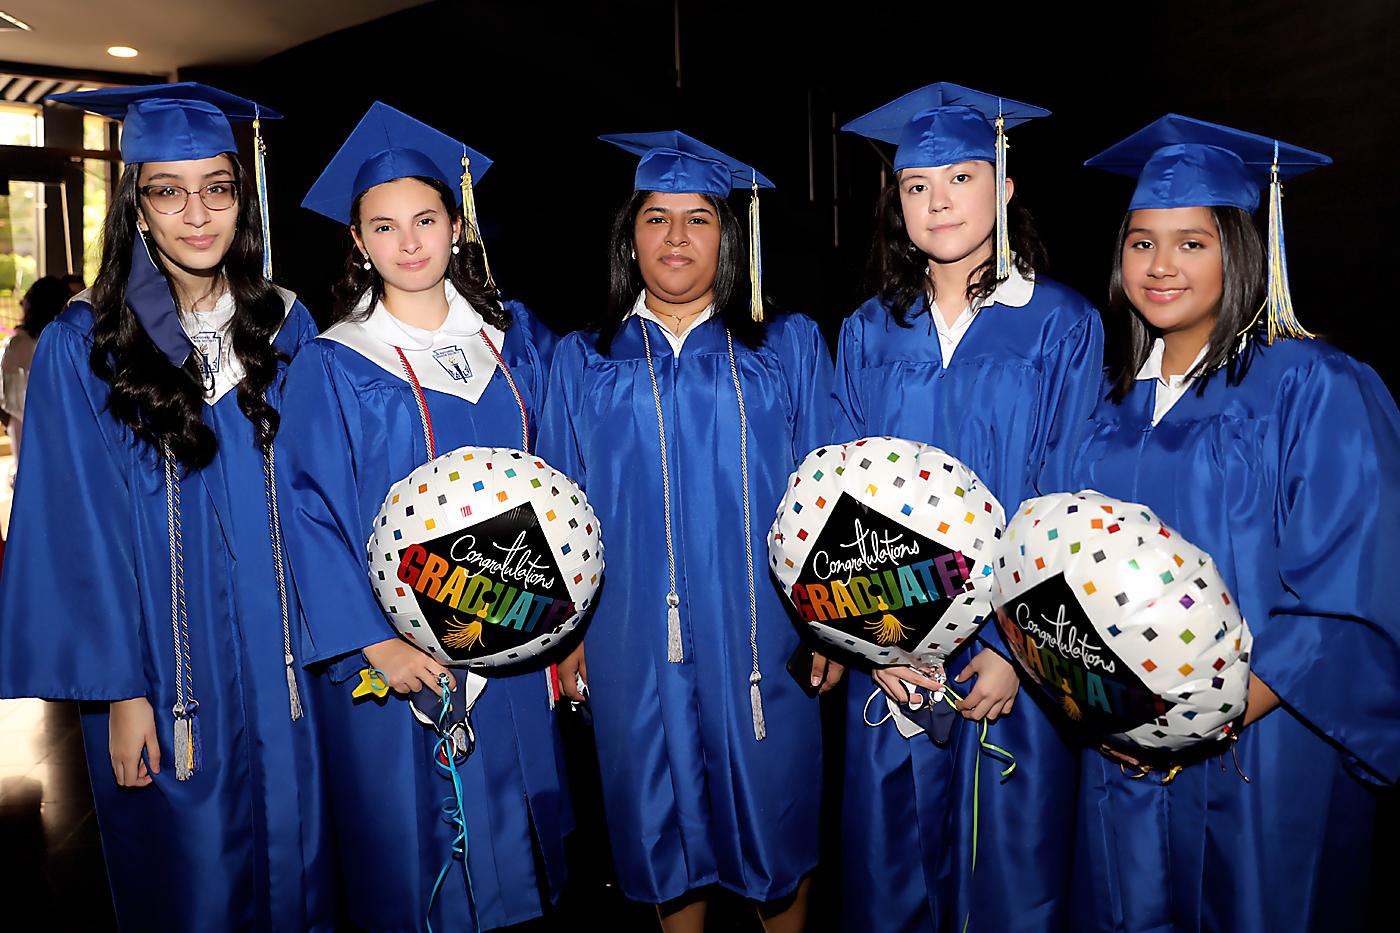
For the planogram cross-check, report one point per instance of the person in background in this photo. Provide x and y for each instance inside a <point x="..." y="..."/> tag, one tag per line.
<point x="40" y="305"/>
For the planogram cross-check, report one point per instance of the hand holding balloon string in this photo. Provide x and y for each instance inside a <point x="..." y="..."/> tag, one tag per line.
<point x="1262" y="701"/>
<point x="406" y="668"/>
<point x="992" y="696"/>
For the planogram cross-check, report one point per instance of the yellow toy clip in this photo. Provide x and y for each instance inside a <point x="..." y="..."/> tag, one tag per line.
<point x="371" y="681"/>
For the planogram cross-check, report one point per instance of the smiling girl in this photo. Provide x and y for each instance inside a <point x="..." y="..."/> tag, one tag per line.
<point x="145" y="572"/>
<point x="968" y="347"/>
<point x="425" y="358"/>
<point x="682" y="416"/>
<point x="1280" y="456"/>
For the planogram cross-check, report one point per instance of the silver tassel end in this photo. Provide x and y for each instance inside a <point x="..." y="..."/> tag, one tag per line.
<point x="184" y="748"/>
<point x="674" y="652"/>
<point x="760" y="728"/>
<point x="292" y="692"/>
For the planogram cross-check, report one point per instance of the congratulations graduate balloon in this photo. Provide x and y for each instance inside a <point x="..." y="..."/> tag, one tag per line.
<point x="485" y="557"/>
<point x="1123" y="623"/>
<point x="884" y="548"/>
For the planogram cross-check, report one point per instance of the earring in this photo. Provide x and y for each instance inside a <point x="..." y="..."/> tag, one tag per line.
<point x="456" y="249"/>
<point x="367" y="264"/>
<point x="634" y="253"/>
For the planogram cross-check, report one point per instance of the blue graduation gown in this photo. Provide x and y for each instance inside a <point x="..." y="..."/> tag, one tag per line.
<point x="350" y="430"/>
<point x="1291" y="481"/>
<point x="691" y="798"/>
<point x="540" y="336"/>
<point x="85" y="615"/>
<point x="1010" y="405"/>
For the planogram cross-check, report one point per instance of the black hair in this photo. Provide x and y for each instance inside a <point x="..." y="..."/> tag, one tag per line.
<point x="899" y="269"/>
<point x="164" y="404"/>
<point x="45" y="298"/>
<point x="466" y="270"/>
<point x="1243" y="280"/>
<point x="731" y="288"/>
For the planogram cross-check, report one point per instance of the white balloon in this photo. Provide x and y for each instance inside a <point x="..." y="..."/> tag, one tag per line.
<point x="1125" y="624"/>
<point x="884" y="547"/>
<point x="485" y="557"/>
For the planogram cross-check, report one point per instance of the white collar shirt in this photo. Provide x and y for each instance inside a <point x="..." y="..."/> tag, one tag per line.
<point x="640" y="309"/>
<point x="1014" y="292"/>
<point x="1170" y="389"/>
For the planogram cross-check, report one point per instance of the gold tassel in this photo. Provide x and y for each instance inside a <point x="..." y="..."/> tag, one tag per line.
<point x="760" y="728"/>
<point x="674" y="652"/>
<point x="755" y="256"/>
<point x="1282" y="321"/>
<point x="1003" y="236"/>
<point x="260" y="173"/>
<point x="473" y="231"/>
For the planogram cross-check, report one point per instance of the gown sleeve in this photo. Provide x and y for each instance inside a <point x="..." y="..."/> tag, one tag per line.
<point x="1330" y="647"/>
<point x="558" y="440"/>
<point x="810" y="362"/>
<point x="1074" y="368"/>
<point x="325" y="532"/>
<point x="541" y="337"/>
<point x="847" y="412"/>
<point x="70" y="616"/>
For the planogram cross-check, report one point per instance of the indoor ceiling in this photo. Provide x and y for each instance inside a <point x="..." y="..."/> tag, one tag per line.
<point x="171" y="34"/>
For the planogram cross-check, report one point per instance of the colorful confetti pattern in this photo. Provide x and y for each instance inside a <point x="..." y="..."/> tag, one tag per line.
<point x="463" y="489"/>
<point x="1154" y="602"/>
<point x="911" y="486"/>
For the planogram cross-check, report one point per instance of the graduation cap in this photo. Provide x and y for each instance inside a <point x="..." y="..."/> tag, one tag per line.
<point x="1182" y="162"/>
<point x="182" y="122"/>
<point x="942" y="124"/>
<point x="675" y="163"/>
<point x="388" y="144"/>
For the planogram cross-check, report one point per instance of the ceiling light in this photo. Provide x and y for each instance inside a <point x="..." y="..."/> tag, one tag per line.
<point x="16" y="23"/>
<point x="122" y="51"/>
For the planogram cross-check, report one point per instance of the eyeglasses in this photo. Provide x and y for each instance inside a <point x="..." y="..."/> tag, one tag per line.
<point x="171" y="199"/>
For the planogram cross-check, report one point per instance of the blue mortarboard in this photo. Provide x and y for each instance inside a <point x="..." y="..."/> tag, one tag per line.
<point x="679" y="164"/>
<point x="1181" y="162"/>
<point x="170" y="122"/>
<point x="675" y="163"/>
<point x="941" y="124"/>
<point x="388" y="144"/>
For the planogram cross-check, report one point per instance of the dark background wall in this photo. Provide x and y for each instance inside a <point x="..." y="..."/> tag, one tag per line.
<point x="531" y="84"/>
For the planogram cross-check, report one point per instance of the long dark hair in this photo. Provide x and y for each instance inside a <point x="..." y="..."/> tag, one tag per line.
<point x="899" y="269"/>
<point x="466" y="270"/>
<point x="45" y="298"/>
<point x="158" y="402"/>
<point x="1242" y="271"/>
<point x="731" y="274"/>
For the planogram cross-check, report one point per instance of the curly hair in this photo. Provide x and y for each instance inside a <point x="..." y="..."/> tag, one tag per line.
<point x="160" y="403"/>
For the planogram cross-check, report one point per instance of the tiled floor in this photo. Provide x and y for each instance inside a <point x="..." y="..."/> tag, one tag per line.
<point x="50" y="860"/>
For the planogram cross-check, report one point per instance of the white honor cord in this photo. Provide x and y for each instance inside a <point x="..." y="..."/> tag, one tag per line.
<point x="673" y="634"/>
<point x="675" y="653"/>
<point x="760" y="728"/>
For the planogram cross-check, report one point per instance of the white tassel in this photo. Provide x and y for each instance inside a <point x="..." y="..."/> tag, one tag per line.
<point x="184" y="744"/>
<point x="674" y="652"/>
<point x="760" y="728"/>
<point x="292" y="690"/>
